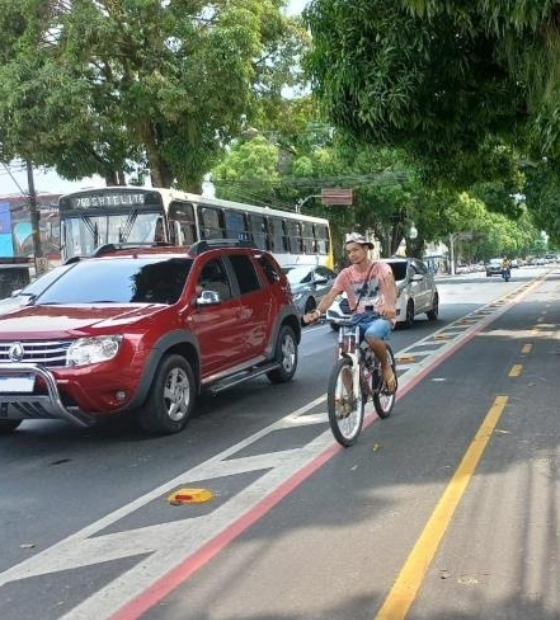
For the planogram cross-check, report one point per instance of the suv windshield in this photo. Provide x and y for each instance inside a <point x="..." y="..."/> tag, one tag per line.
<point x="147" y="279"/>
<point x="42" y="282"/>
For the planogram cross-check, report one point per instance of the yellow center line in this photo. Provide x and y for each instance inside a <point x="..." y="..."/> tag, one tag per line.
<point x="527" y="348"/>
<point x="516" y="370"/>
<point x="410" y="578"/>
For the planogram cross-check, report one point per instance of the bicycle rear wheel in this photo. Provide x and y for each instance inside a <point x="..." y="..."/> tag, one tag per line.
<point x="346" y="409"/>
<point x="384" y="401"/>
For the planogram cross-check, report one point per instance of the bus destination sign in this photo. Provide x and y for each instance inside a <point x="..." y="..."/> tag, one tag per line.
<point x="108" y="198"/>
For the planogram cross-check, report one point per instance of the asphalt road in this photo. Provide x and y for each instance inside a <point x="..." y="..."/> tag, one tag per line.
<point x="448" y="510"/>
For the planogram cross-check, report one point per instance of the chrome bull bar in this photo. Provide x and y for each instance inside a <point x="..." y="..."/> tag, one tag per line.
<point x="18" y="405"/>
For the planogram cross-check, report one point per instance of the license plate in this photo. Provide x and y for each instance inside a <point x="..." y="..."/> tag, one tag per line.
<point x="10" y="385"/>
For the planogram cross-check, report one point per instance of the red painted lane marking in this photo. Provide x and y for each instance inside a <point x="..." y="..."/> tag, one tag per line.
<point x="166" y="584"/>
<point x="178" y="575"/>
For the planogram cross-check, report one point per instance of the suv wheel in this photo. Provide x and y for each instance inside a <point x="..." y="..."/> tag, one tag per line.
<point x="171" y="398"/>
<point x="433" y="313"/>
<point x="8" y="426"/>
<point x="286" y="355"/>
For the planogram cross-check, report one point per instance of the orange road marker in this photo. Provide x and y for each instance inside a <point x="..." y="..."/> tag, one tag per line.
<point x="190" y="496"/>
<point x="406" y="359"/>
<point x="516" y="370"/>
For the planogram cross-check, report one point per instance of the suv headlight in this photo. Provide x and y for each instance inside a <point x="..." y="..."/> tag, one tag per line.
<point x="92" y="350"/>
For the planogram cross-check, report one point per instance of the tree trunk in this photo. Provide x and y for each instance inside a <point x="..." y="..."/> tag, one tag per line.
<point x="160" y="174"/>
<point x="415" y="247"/>
<point x="115" y="177"/>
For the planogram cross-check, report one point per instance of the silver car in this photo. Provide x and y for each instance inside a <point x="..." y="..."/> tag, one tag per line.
<point x="417" y="294"/>
<point x="309" y="284"/>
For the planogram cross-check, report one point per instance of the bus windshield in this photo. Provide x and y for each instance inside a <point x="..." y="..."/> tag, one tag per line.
<point x="90" y="218"/>
<point x="83" y="233"/>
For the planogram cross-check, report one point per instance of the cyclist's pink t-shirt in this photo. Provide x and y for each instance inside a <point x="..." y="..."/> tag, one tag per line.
<point x="350" y="281"/>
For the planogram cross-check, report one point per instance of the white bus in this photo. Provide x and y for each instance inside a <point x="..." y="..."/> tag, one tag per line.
<point x="134" y="215"/>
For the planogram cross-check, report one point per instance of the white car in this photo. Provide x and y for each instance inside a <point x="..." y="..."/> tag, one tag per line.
<point x="417" y="294"/>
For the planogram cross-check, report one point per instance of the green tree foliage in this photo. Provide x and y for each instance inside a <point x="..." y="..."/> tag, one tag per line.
<point x="441" y="76"/>
<point x="249" y="173"/>
<point x="542" y="194"/>
<point x="93" y="85"/>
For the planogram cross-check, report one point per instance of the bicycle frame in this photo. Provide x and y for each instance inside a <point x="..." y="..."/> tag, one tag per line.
<point x="346" y="403"/>
<point x="349" y="346"/>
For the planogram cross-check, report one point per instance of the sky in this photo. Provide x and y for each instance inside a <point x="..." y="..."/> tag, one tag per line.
<point x="47" y="181"/>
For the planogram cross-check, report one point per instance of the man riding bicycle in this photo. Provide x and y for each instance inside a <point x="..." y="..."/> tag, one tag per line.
<point x="372" y="295"/>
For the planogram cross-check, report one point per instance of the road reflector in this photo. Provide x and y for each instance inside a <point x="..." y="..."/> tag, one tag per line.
<point x="190" y="496"/>
<point x="515" y="370"/>
<point x="442" y="337"/>
<point x="405" y="359"/>
<point x="526" y="348"/>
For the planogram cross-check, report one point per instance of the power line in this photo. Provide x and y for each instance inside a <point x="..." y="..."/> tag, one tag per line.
<point x="14" y="180"/>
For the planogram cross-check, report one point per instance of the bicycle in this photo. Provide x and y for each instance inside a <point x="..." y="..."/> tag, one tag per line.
<point x="355" y="378"/>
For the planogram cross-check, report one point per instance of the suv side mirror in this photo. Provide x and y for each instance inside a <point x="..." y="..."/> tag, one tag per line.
<point x="208" y="298"/>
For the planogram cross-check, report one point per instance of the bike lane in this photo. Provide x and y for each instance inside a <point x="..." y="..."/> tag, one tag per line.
<point x="336" y="545"/>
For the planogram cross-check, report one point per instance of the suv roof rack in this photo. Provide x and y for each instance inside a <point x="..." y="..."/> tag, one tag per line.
<point x="211" y="244"/>
<point x="106" y="248"/>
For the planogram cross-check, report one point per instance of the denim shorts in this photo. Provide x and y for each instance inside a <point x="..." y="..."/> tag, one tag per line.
<point x="373" y="326"/>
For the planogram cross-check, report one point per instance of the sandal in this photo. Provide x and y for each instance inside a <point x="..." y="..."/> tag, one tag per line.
<point x="346" y="405"/>
<point x="389" y="383"/>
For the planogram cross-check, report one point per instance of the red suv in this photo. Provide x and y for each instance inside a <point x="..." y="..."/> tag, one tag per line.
<point x="146" y="330"/>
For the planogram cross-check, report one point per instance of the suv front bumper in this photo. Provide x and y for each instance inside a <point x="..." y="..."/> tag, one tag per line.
<point x="35" y="404"/>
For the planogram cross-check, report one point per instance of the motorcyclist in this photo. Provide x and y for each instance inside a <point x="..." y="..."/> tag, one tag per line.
<point x="506" y="267"/>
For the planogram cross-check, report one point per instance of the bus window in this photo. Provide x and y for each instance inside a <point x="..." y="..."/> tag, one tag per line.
<point x="236" y="225"/>
<point x="308" y="239"/>
<point x="212" y="223"/>
<point x="259" y="231"/>
<point x="322" y="239"/>
<point x="296" y="242"/>
<point x="183" y="214"/>
<point x="279" y="236"/>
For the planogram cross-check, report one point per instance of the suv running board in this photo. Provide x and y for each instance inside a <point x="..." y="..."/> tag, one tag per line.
<point x="228" y="382"/>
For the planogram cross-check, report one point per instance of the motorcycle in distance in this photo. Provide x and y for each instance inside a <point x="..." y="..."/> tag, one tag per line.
<point x="506" y="273"/>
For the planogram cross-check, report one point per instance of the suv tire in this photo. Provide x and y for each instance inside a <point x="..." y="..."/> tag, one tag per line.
<point x="171" y="399"/>
<point x="286" y="355"/>
<point x="8" y="426"/>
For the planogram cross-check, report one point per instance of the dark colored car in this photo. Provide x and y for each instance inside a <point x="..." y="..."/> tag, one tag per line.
<point x="145" y="330"/>
<point x="309" y="284"/>
<point x="494" y="267"/>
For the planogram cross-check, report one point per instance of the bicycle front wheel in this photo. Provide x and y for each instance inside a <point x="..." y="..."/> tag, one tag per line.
<point x="345" y="407"/>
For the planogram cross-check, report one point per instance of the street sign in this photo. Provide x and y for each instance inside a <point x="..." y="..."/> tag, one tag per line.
<point x="336" y="196"/>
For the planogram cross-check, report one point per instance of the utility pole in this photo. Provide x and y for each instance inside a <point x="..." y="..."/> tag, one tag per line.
<point x="34" y="216"/>
<point x="451" y="254"/>
<point x="300" y="203"/>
